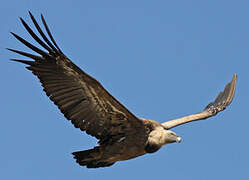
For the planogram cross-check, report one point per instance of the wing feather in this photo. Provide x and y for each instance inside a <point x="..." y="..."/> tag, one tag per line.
<point x="80" y="97"/>
<point x="43" y="35"/>
<point x="223" y="99"/>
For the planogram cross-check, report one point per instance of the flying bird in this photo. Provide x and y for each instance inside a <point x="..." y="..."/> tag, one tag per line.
<point x="89" y="106"/>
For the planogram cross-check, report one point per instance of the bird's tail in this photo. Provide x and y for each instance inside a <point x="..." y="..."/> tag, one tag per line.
<point x="91" y="158"/>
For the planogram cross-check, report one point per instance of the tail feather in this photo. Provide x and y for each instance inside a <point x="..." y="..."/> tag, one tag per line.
<point x="91" y="158"/>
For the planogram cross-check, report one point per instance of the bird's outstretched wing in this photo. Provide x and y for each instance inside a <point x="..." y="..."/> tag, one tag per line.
<point x="80" y="97"/>
<point x="220" y="103"/>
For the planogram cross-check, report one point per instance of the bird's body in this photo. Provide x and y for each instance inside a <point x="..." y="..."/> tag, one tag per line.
<point x="85" y="102"/>
<point x="129" y="145"/>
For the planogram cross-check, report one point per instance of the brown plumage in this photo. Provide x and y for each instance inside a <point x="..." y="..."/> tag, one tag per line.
<point x="85" y="102"/>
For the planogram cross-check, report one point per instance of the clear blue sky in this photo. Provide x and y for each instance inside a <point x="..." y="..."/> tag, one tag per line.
<point x="161" y="59"/>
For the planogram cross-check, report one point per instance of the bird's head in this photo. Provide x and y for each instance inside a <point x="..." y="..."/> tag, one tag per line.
<point x="171" y="137"/>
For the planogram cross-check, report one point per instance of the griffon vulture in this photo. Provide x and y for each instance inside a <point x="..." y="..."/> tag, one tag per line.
<point x="86" y="103"/>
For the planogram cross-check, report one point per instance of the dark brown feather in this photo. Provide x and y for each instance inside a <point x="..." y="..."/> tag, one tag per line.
<point x="26" y="43"/>
<point x="43" y="35"/>
<point x="31" y="32"/>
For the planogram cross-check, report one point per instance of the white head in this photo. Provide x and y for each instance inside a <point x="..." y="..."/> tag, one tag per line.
<point x="171" y="137"/>
<point x="159" y="137"/>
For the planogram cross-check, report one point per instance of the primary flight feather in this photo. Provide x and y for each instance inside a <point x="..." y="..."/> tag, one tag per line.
<point x="84" y="101"/>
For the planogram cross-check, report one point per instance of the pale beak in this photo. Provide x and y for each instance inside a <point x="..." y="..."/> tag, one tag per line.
<point x="178" y="139"/>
